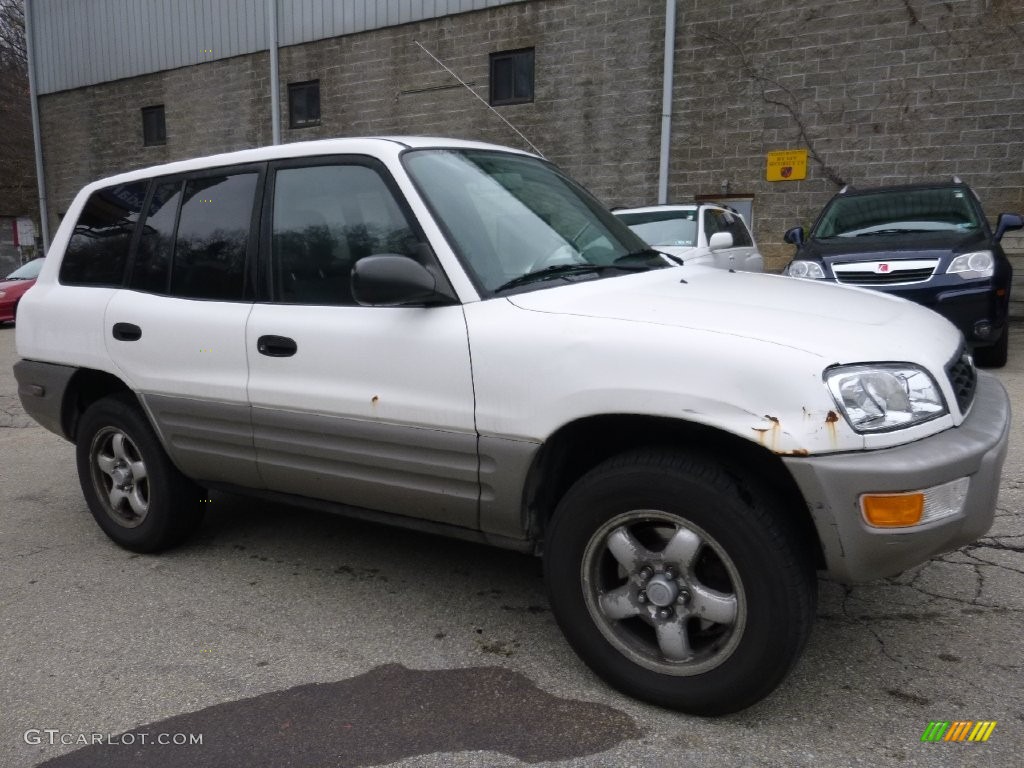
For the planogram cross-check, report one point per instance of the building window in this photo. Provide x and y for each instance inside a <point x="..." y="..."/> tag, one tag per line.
<point x="154" y="130"/>
<point x="304" y="104"/>
<point x="512" y="77"/>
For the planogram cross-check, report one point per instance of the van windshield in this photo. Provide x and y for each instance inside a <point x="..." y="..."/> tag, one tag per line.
<point x="675" y="228"/>
<point x="898" y="212"/>
<point x="510" y="216"/>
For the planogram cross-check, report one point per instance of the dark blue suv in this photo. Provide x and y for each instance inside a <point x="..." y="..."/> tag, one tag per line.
<point x="929" y="243"/>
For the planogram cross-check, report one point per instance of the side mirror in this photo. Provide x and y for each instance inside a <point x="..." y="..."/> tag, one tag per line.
<point x="720" y="240"/>
<point x="391" y="280"/>
<point x="794" y="236"/>
<point x="1007" y="222"/>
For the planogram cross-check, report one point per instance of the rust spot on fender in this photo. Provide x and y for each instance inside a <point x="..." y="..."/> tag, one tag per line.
<point x="375" y="399"/>
<point x="830" y="422"/>
<point x="775" y="429"/>
<point x="794" y="452"/>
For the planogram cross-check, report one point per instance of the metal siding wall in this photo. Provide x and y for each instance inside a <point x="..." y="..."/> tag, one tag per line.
<point x="81" y="42"/>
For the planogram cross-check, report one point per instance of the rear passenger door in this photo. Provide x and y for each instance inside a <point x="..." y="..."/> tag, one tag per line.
<point x="177" y="331"/>
<point x="368" y="406"/>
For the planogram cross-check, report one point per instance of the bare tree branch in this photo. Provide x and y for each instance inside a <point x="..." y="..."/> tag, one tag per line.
<point x="776" y="94"/>
<point x="17" y="172"/>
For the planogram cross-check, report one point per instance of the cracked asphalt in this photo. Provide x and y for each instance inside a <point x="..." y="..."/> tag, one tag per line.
<point x="293" y="638"/>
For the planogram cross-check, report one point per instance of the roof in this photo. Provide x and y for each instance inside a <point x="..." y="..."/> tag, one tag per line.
<point x="371" y="145"/>
<point x="950" y="184"/>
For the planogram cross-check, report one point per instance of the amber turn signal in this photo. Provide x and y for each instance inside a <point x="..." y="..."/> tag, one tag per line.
<point x="892" y="510"/>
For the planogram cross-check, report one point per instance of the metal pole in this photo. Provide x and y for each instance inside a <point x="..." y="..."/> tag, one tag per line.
<point x="275" y="87"/>
<point x="44" y="223"/>
<point x="666" y="100"/>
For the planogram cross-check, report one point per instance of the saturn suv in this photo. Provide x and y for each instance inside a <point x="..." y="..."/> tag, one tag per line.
<point x="929" y="243"/>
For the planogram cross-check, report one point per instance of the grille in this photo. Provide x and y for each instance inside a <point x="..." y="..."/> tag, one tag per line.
<point x="864" y="277"/>
<point x="964" y="378"/>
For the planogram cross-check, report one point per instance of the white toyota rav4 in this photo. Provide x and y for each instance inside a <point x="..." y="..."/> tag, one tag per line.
<point x="455" y="337"/>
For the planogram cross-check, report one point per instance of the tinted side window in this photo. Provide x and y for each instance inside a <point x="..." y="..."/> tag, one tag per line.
<point x="711" y="223"/>
<point x="325" y="219"/>
<point x="98" y="250"/>
<point x="740" y="234"/>
<point x="213" y="236"/>
<point x="151" y="270"/>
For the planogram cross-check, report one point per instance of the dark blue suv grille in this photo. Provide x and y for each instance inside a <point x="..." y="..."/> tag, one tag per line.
<point x="865" y="277"/>
<point x="964" y="378"/>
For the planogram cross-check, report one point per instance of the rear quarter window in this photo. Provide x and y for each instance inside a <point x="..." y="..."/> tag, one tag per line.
<point x="98" y="250"/>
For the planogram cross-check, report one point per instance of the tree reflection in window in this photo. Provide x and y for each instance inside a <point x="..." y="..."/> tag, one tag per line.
<point x="326" y="218"/>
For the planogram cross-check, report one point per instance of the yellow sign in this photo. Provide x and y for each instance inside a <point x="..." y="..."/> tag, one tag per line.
<point x="787" y="165"/>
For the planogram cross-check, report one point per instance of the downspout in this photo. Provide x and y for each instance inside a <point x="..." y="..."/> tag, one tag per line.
<point x="666" y="100"/>
<point x="37" y="139"/>
<point x="275" y="86"/>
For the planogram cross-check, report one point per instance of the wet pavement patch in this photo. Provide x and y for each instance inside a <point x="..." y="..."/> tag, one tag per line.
<point x="382" y="716"/>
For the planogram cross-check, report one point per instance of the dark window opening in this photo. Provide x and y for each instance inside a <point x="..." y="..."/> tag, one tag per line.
<point x="195" y="238"/>
<point x="512" y="77"/>
<point x="212" y="237"/>
<point x="304" y="104"/>
<point x="325" y="219"/>
<point x="154" y="129"/>
<point x="98" y="250"/>
<point x="151" y="270"/>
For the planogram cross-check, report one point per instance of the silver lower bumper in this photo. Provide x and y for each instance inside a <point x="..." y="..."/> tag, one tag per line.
<point x="832" y="486"/>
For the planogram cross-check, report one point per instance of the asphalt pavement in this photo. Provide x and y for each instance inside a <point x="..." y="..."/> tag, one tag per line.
<point x="284" y="637"/>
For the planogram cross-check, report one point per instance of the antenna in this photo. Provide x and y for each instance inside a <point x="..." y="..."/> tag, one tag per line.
<point x="464" y="85"/>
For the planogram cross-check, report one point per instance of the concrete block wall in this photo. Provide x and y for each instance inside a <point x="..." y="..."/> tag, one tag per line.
<point x="596" y="111"/>
<point x="1013" y="244"/>
<point x="879" y="91"/>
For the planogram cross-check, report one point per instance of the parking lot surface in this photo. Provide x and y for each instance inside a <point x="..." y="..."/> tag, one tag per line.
<point x="285" y="637"/>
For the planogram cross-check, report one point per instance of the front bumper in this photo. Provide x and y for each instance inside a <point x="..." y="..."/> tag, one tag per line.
<point x="832" y="486"/>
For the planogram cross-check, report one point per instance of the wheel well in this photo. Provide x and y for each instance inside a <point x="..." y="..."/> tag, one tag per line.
<point x="85" y="388"/>
<point x="578" y="447"/>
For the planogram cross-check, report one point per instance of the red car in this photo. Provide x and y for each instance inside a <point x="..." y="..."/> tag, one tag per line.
<point x="13" y="287"/>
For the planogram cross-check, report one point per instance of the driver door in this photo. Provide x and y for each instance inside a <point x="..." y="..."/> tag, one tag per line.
<point x="367" y="406"/>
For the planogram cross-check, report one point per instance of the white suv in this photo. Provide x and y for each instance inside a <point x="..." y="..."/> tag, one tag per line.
<point x="457" y="338"/>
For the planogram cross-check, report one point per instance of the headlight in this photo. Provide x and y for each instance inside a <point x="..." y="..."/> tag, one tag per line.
<point x="971" y="266"/>
<point x="808" y="269"/>
<point x="884" y="397"/>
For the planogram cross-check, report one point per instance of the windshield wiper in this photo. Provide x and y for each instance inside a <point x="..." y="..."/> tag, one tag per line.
<point x="892" y="232"/>
<point x="561" y="270"/>
<point x="629" y="260"/>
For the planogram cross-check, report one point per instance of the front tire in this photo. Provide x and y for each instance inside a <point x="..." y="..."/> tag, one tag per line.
<point x="677" y="584"/>
<point x="137" y="496"/>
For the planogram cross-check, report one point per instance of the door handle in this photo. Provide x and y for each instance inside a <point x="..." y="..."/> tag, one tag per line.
<point x="276" y="346"/>
<point x="127" y="332"/>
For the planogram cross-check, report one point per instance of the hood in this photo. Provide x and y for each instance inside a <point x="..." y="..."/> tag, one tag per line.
<point x="837" y="323"/>
<point x="919" y="245"/>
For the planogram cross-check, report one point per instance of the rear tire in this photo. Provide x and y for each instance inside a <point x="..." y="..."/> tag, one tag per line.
<point x="678" y="584"/>
<point x="996" y="355"/>
<point x="137" y="496"/>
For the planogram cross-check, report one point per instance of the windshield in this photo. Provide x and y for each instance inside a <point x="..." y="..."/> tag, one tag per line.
<point x="678" y="228"/>
<point x="29" y="271"/>
<point x="899" y="212"/>
<point x="510" y="215"/>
